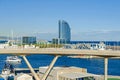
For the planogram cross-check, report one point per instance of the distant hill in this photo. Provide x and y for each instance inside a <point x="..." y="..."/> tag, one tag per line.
<point x="3" y="37"/>
<point x="6" y="38"/>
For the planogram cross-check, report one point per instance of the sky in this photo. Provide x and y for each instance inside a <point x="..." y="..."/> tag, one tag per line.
<point x="88" y="19"/>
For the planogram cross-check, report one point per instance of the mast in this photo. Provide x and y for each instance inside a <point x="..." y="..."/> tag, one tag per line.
<point x="12" y="37"/>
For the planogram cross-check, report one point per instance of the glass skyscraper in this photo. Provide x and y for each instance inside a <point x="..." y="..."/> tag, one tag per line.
<point x="64" y="32"/>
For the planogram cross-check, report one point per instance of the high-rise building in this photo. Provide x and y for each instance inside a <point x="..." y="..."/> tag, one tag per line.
<point x="28" y="40"/>
<point x="64" y="32"/>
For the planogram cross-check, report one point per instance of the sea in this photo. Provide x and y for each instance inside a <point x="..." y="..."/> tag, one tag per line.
<point x="95" y="66"/>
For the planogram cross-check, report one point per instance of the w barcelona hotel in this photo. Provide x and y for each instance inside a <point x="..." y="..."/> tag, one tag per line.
<point x="64" y="32"/>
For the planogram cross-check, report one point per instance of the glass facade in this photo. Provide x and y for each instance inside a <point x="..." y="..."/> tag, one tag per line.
<point x="64" y="32"/>
<point x="29" y="40"/>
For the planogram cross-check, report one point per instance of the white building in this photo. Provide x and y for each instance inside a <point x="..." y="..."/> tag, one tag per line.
<point x="68" y="73"/>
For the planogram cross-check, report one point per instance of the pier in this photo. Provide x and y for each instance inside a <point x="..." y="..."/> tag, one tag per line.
<point x="57" y="52"/>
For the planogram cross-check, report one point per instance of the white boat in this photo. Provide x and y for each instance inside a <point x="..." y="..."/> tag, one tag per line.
<point x="7" y="71"/>
<point x="13" y="59"/>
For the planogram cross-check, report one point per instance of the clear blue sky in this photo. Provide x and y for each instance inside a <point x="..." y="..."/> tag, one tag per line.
<point x="88" y="19"/>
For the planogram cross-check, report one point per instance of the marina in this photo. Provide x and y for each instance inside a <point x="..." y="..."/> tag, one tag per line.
<point x="61" y="52"/>
<point x="91" y="65"/>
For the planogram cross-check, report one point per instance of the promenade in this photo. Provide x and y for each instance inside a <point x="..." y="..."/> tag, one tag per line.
<point x="59" y="51"/>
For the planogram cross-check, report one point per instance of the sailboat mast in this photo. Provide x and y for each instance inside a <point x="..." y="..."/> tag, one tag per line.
<point x="12" y="37"/>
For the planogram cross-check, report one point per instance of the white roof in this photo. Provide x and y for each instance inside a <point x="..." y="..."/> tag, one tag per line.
<point x="56" y="69"/>
<point x="76" y="75"/>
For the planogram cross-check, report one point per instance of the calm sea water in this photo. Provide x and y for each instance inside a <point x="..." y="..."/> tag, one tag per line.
<point x="93" y="65"/>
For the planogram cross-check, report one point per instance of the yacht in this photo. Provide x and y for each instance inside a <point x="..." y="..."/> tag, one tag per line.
<point x="13" y="59"/>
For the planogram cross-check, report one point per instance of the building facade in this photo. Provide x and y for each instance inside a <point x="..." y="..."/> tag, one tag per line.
<point x="28" y="40"/>
<point x="55" y="41"/>
<point x="64" y="32"/>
